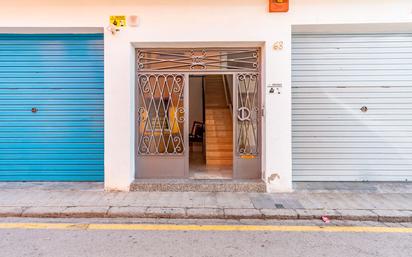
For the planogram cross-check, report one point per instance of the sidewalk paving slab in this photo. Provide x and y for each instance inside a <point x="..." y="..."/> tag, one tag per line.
<point x="287" y="214"/>
<point x="205" y="213"/>
<point x="127" y="212"/>
<point x="239" y="213"/>
<point x="11" y="211"/>
<point x="317" y="214"/>
<point x="43" y="211"/>
<point x="369" y="203"/>
<point x="165" y="213"/>
<point x="358" y="215"/>
<point x="85" y="212"/>
<point x="393" y="215"/>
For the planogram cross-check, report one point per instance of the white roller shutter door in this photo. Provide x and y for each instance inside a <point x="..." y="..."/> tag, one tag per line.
<point x="334" y="76"/>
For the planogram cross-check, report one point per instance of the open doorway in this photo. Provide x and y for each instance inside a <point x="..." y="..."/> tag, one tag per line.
<point x="211" y="127"/>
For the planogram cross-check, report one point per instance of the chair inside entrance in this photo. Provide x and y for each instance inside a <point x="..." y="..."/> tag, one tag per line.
<point x="196" y="135"/>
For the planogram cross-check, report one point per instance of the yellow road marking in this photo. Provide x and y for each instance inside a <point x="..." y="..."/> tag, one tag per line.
<point x="173" y="227"/>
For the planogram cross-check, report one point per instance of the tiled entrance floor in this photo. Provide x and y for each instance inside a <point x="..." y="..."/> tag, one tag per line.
<point x="199" y="170"/>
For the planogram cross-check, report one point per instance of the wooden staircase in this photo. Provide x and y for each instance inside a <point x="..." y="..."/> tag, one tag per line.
<point x="219" y="125"/>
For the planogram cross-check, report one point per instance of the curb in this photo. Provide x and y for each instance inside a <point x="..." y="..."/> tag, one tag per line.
<point x="204" y="213"/>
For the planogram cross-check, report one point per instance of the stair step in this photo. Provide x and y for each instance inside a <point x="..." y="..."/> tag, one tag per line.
<point x="219" y="134"/>
<point x="215" y="88"/>
<point x="219" y="155"/>
<point x="220" y="147"/>
<point x="199" y="185"/>
<point x="218" y="116"/>
<point x="211" y="94"/>
<point x="218" y="122"/>
<point x="211" y="132"/>
<point x="212" y="139"/>
<point x="218" y="109"/>
<point x="221" y="118"/>
<point x="215" y="128"/>
<point x="215" y="105"/>
<point x="215" y="100"/>
<point x="219" y="152"/>
<point x="214" y="93"/>
<point x="227" y="162"/>
<point x="220" y="142"/>
<point x="219" y="99"/>
<point x="217" y="79"/>
<point x="219" y="127"/>
<point x="219" y="162"/>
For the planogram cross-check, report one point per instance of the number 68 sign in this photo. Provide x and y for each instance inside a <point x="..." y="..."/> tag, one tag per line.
<point x="278" y="46"/>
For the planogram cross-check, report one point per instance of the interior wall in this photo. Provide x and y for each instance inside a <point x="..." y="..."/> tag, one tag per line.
<point x="195" y="100"/>
<point x="230" y="85"/>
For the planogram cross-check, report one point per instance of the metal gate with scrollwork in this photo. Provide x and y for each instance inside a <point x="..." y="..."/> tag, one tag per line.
<point x="162" y="77"/>
<point x="160" y="114"/>
<point x="161" y="106"/>
<point x="247" y="125"/>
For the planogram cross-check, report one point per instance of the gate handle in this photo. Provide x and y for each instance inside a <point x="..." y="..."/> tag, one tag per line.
<point x="243" y="114"/>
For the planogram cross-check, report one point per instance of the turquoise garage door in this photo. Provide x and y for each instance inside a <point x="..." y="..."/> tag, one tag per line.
<point x="51" y="107"/>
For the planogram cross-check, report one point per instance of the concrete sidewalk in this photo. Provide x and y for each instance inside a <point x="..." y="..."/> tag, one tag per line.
<point x="386" y="202"/>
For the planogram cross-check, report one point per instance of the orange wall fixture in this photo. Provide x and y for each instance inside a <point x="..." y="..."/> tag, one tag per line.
<point x="278" y="5"/>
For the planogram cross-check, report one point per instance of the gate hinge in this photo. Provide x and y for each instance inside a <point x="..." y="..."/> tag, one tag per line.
<point x="263" y="111"/>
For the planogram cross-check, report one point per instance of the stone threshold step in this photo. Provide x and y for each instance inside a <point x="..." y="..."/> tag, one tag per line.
<point x="199" y="185"/>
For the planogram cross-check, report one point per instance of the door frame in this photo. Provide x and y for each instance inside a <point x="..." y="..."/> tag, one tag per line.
<point x="234" y="127"/>
<point x="187" y="74"/>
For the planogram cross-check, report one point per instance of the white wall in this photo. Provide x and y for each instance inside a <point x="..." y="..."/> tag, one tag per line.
<point x="198" y="21"/>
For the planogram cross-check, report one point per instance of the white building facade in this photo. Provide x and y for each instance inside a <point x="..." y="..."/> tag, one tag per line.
<point x="331" y="30"/>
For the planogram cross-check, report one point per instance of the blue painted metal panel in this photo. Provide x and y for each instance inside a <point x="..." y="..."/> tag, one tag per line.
<point x="62" y="76"/>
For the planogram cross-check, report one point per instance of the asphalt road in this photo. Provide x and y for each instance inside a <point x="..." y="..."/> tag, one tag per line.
<point x="183" y="240"/>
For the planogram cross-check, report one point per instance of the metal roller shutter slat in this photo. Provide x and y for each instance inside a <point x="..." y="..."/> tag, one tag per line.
<point x="62" y="76"/>
<point x="333" y="77"/>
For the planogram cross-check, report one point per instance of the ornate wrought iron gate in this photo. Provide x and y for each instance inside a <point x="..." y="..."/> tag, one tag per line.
<point x="247" y="125"/>
<point x="161" y="129"/>
<point x="162" y="107"/>
<point x="160" y="114"/>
